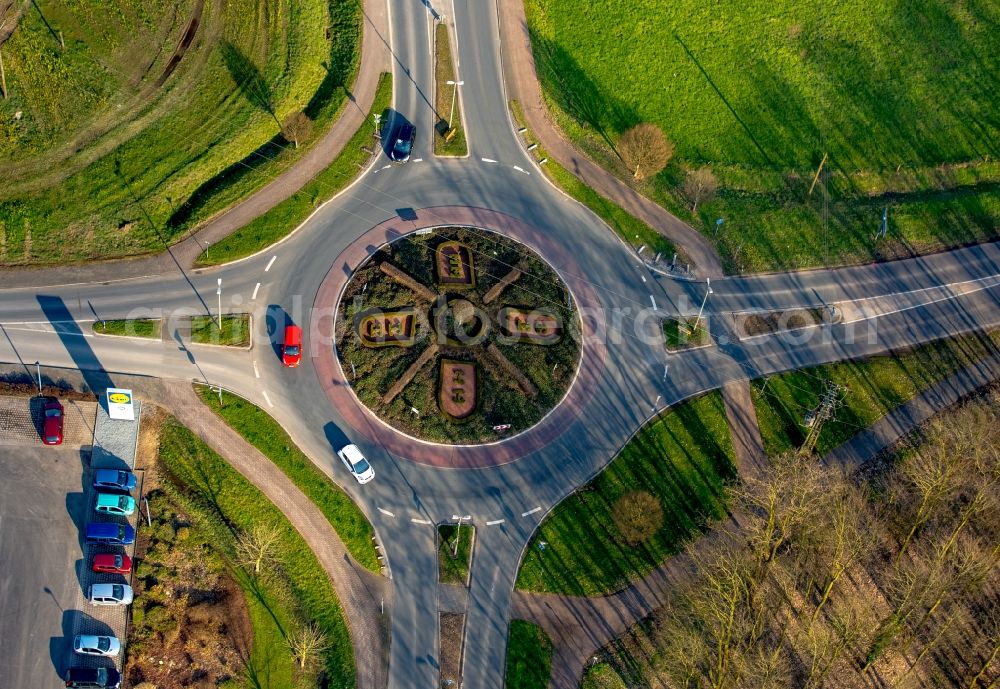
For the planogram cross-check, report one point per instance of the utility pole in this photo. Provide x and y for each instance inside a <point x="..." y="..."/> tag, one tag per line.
<point x="833" y="395"/>
<point x="38" y="370"/>
<point x="458" y="531"/>
<point x="454" y="97"/>
<point x="816" y="176"/>
<point x="708" y="284"/>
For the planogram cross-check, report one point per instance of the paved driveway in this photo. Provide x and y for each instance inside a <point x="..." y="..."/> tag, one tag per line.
<point x="42" y="504"/>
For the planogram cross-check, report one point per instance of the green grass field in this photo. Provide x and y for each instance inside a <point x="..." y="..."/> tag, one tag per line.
<point x="264" y="433"/>
<point x="131" y="327"/>
<point x="761" y="90"/>
<point x="299" y="589"/>
<point x="287" y="215"/>
<point x="684" y="458"/>
<point x="874" y="386"/>
<point x="529" y="656"/>
<point x="117" y="152"/>
<point x="235" y="330"/>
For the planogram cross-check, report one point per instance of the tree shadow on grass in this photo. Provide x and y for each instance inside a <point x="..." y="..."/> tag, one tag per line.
<point x="217" y="186"/>
<point x="576" y="93"/>
<point x="248" y="78"/>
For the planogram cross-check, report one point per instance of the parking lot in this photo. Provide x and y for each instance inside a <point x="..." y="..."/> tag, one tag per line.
<point x="45" y="501"/>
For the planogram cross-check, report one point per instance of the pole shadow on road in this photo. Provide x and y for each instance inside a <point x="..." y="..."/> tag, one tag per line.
<point x="76" y="344"/>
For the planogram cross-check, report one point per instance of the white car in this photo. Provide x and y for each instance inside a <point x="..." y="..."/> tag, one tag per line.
<point x="91" y="645"/>
<point x="110" y="594"/>
<point x="356" y="463"/>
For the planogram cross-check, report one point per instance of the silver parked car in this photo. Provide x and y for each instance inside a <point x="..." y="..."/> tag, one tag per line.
<point x="110" y="594"/>
<point x="93" y="645"/>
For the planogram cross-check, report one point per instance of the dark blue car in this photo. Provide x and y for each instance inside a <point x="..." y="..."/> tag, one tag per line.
<point x="110" y="533"/>
<point x="114" y="480"/>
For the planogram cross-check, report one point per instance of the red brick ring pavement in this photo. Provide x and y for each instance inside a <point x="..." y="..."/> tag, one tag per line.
<point x="365" y="422"/>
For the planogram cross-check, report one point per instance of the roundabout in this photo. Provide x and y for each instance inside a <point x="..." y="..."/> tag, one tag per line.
<point x="458" y="336"/>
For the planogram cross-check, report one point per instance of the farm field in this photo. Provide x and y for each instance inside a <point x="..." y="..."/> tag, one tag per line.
<point x="760" y="91"/>
<point x="129" y="123"/>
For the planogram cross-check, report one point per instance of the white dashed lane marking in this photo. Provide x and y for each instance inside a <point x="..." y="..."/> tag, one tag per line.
<point x="654" y="302"/>
<point x="269" y="402"/>
<point x="529" y="512"/>
<point x="386" y="512"/>
<point x="488" y="160"/>
<point x="256" y="373"/>
<point x="420" y="521"/>
<point x="255" y="291"/>
<point x="495" y="522"/>
<point x="270" y="263"/>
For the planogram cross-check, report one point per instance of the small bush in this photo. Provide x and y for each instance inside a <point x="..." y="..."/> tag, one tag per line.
<point x="637" y="516"/>
<point x="159" y="619"/>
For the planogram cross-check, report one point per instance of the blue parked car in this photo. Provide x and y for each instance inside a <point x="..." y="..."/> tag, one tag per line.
<point x="113" y="503"/>
<point x="113" y="479"/>
<point x="111" y="534"/>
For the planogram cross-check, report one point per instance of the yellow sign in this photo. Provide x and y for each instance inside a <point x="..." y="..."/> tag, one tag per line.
<point x="119" y="398"/>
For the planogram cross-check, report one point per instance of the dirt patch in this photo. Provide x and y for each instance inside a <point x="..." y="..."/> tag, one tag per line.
<point x="750" y="324"/>
<point x="186" y="40"/>
<point x="452" y="637"/>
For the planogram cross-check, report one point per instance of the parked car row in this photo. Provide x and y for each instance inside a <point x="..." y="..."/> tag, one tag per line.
<point x="114" y="488"/>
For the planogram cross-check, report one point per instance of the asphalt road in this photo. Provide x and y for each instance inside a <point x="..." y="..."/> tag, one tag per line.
<point x="638" y="376"/>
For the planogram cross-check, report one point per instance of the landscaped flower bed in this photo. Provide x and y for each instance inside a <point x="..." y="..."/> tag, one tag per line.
<point x="424" y="348"/>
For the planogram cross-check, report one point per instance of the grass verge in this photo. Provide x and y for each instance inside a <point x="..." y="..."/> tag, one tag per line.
<point x="453" y="565"/>
<point x="874" y="386"/>
<point x="633" y="231"/>
<point x="264" y="433"/>
<point x="290" y="213"/>
<point x="681" y="333"/>
<point x="130" y="327"/>
<point x="294" y="589"/>
<point x="235" y="330"/>
<point x="446" y="99"/>
<point x="684" y="458"/>
<point x="529" y="656"/>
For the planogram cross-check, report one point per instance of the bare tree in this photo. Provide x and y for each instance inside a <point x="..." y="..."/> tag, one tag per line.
<point x="637" y="516"/>
<point x="645" y="149"/>
<point x="844" y="541"/>
<point x="699" y="185"/>
<point x="296" y="128"/>
<point x="780" y="503"/>
<point x="306" y="643"/>
<point x="257" y="546"/>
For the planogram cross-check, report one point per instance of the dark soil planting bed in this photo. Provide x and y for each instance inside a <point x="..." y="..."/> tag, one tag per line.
<point x="424" y="336"/>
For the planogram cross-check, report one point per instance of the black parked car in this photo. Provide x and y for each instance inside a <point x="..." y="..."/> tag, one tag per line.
<point x="404" y="143"/>
<point x="93" y="678"/>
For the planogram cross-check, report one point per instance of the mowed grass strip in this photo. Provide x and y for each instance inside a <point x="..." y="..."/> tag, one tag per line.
<point x="231" y="504"/>
<point x="290" y="213"/>
<point x="684" y="458"/>
<point x="264" y="433"/>
<point x="633" y="231"/>
<point x="447" y="98"/>
<point x="760" y="91"/>
<point x="234" y="330"/>
<point x="874" y="387"/>
<point x="454" y="563"/>
<point x="529" y="656"/>
<point x="129" y="327"/>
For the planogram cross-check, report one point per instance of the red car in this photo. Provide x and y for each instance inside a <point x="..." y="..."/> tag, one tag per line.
<point x="112" y="563"/>
<point x="291" y="350"/>
<point x="52" y="426"/>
